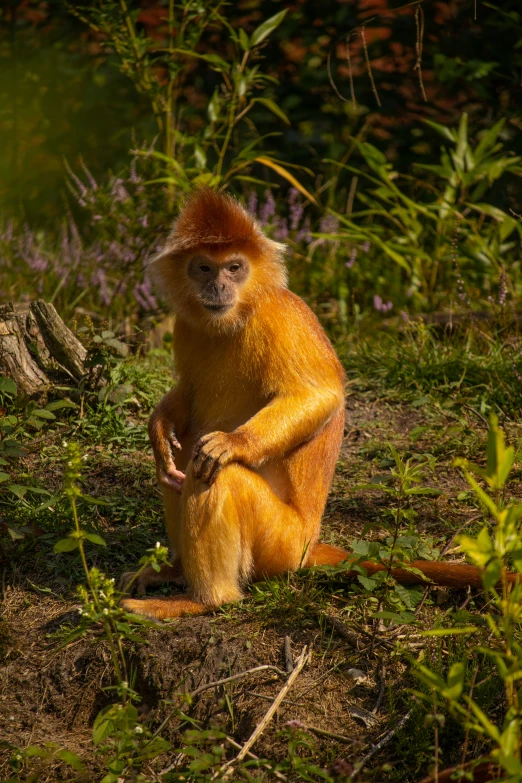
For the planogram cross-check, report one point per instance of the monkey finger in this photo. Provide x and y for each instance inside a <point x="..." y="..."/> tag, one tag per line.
<point x="205" y="440"/>
<point x="215" y="462"/>
<point x="174" y="442"/>
<point x="218" y="465"/>
<point x="208" y="453"/>
<point x="199" y="458"/>
<point x="205" y="468"/>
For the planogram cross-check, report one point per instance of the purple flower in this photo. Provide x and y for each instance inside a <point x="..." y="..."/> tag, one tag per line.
<point x="502" y="288"/>
<point x="340" y="769"/>
<point x="281" y="229"/>
<point x="252" y="202"/>
<point x="382" y="307"/>
<point x="328" y="224"/>
<point x="305" y="233"/>
<point x="365" y="247"/>
<point x="294" y="724"/>
<point x="133" y="176"/>
<point x="296" y="208"/>
<point x="6" y="232"/>
<point x="92" y="181"/>
<point x="268" y="209"/>
<point x="144" y="296"/>
<point x="351" y="260"/>
<point x="99" y="279"/>
<point x="118" y="191"/>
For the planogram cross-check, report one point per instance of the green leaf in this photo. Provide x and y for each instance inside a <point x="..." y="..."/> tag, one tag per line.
<point x="94" y="538"/>
<point x="38" y="490"/>
<point x="8" y="386"/>
<point x="442" y="129"/>
<point x="455" y="683"/>
<point x="399" y="619"/>
<point x="4" y="477"/>
<point x="214" y="106"/>
<point x="71" y="759"/>
<point x="450" y="631"/>
<point x="423" y="491"/>
<point x="261" y="32"/>
<point x="485" y="499"/>
<point x="244" y="40"/>
<point x="480" y="549"/>
<point x="368" y="583"/>
<point x="43" y="414"/>
<point x="66" y="545"/>
<point x="490" y="727"/>
<point x="17" y="490"/>
<point x="274" y="108"/>
<point x="59" y="404"/>
<point x="492" y="573"/>
<point x="47" y="503"/>
<point x="95" y="501"/>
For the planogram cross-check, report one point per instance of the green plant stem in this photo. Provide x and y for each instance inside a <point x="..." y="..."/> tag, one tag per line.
<point x="106" y="623"/>
<point x="139" y="60"/>
<point x="231" y="113"/>
<point x="169" y="108"/>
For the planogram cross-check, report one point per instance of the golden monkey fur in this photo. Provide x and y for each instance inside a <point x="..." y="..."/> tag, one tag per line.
<point x="247" y="441"/>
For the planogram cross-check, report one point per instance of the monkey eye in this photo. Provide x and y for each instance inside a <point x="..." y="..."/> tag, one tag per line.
<point x="204" y="268"/>
<point x="234" y="267"/>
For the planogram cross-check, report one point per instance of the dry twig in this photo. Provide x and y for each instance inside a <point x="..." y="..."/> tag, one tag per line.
<point x="227" y="769"/>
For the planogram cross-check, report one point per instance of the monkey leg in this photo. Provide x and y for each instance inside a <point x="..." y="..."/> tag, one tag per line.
<point x="229" y="532"/>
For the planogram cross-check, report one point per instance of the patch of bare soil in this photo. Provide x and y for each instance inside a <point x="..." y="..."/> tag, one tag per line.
<point x="51" y="694"/>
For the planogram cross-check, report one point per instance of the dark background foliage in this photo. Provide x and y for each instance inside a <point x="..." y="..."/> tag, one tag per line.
<point x="63" y="96"/>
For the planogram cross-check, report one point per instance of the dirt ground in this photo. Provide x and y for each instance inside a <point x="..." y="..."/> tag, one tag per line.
<point x="51" y="694"/>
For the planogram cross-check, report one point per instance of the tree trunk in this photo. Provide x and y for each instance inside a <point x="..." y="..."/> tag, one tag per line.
<point x="37" y="348"/>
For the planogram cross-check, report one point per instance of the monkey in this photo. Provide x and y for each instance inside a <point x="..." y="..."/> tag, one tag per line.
<point x="247" y="441"/>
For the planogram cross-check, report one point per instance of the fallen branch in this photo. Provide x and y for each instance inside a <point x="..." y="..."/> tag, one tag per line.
<point x="214" y="684"/>
<point x="238" y="676"/>
<point x="226" y="769"/>
<point x="332" y="734"/>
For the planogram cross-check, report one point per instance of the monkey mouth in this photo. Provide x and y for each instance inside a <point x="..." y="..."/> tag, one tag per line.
<point x="217" y="308"/>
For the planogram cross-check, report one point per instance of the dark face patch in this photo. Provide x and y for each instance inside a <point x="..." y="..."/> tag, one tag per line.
<point x="218" y="284"/>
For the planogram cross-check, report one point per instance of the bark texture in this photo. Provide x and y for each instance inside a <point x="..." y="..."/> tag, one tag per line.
<point x="36" y="347"/>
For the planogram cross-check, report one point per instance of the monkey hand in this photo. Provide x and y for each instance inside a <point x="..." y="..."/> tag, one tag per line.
<point x="212" y="452"/>
<point x="164" y="444"/>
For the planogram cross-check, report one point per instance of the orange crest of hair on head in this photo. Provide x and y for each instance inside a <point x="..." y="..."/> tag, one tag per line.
<point x="216" y="222"/>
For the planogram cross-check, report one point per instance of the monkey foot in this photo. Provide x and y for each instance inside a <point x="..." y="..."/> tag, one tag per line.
<point x="164" y="608"/>
<point x="139" y="581"/>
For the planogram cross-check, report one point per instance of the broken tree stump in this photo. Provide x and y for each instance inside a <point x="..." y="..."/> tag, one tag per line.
<point x="36" y="347"/>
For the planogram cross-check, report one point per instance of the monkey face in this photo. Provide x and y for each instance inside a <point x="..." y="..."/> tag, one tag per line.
<point x="217" y="282"/>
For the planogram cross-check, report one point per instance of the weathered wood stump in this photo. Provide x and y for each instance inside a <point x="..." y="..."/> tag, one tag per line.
<point x="36" y="347"/>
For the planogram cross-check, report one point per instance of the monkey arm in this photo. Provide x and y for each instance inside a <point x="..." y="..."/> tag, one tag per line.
<point x="286" y="422"/>
<point x="169" y="420"/>
<point x="278" y="428"/>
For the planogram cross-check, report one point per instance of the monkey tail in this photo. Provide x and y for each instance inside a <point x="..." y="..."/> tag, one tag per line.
<point x="442" y="574"/>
